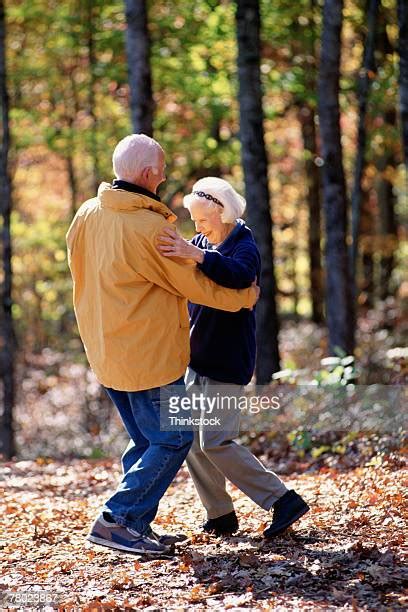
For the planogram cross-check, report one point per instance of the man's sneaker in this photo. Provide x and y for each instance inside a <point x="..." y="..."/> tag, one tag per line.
<point x="227" y="524"/>
<point x="286" y="510"/>
<point x="167" y="539"/>
<point x="112" y="535"/>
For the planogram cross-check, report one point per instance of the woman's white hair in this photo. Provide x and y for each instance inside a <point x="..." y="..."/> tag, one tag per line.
<point x="133" y="154"/>
<point x="218" y="193"/>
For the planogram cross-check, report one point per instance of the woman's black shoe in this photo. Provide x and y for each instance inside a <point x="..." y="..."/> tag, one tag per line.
<point x="227" y="524"/>
<point x="286" y="510"/>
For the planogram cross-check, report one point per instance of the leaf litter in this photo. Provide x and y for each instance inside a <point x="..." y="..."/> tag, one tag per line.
<point x="348" y="553"/>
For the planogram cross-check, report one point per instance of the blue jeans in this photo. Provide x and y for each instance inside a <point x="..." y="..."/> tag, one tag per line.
<point x="151" y="460"/>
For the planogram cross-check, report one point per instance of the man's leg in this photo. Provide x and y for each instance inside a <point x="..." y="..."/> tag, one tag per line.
<point x="138" y="444"/>
<point x="132" y="454"/>
<point x="135" y="502"/>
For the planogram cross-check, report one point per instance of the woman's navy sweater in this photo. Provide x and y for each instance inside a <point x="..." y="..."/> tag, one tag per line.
<point x="223" y="345"/>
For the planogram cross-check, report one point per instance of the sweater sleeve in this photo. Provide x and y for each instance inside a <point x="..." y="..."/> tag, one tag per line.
<point x="236" y="272"/>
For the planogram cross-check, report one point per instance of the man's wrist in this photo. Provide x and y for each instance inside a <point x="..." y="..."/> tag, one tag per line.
<point x="198" y="255"/>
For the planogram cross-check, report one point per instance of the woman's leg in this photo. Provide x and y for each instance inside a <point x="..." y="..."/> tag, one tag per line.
<point x="209" y="482"/>
<point x="234" y="461"/>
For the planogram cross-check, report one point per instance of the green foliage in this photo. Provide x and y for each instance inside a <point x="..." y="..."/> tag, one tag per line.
<point x="300" y="440"/>
<point x="337" y="371"/>
<point x="316" y="444"/>
<point x="66" y="109"/>
<point x="42" y="285"/>
<point x="197" y="111"/>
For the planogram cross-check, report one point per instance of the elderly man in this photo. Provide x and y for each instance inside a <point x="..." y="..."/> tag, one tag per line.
<point x="131" y="308"/>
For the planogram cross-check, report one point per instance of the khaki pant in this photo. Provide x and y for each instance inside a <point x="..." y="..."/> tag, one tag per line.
<point x="214" y="456"/>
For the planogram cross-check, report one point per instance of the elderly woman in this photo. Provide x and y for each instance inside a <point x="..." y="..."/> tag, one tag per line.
<point x="223" y="352"/>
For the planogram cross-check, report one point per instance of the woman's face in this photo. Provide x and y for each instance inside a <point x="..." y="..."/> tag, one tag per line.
<point x="207" y="221"/>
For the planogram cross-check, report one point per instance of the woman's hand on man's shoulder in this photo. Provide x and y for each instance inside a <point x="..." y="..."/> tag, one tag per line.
<point x="170" y="244"/>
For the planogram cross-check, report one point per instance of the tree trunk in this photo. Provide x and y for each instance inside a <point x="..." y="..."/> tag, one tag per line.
<point x="305" y="45"/>
<point x="138" y="55"/>
<point x="367" y="247"/>
<point x="403" y="77"/>
<point x="367" y="72"/>
<point x="72" y="184"/>
<point x="386" y="164"/>
<point x="70" y="152"/>
<point x="91" y="93"/>
<point x="7" y="339"/>
<point x="292" y="272"/>
<point x="368" y="286"/>
<point x="387" y="226"/>
<point x="306" y="117"/>
<point x="255" y="166"/>
<point x="340" y="314"/>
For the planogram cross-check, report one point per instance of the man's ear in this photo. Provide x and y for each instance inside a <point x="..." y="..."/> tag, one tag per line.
<point x="145" y="173"/>
<point x="148" y="171"/>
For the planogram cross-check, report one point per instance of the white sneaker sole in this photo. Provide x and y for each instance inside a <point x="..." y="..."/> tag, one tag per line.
<point x="116" y="546"/>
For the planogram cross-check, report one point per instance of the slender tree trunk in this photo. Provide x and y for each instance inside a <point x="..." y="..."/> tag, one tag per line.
<point x="256" y="182"/>
<point x="403" y="83"/>
<point x="367" y="72"/>
<point x="292" y="273"/>
<point x="340" y="314"/>
<point x="7" y="339"/>
<point x="403" y="76"/>
<point x="366" y="250"/>
<point x="72" y="112"/>
<point x="387" y="262"/>
<point x="368" y="286"/>
<point x="138" y="55"/>
<point x="91" y="93"/>
<point x="72" y="184"/>
<point x="387" y="227"/>
<point x="306" y="117"/>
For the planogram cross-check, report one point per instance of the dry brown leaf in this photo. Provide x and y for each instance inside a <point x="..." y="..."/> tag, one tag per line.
<point x="248" y="560"/>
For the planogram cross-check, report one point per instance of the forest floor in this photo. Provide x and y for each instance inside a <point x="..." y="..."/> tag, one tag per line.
<point x="346" y="554"/>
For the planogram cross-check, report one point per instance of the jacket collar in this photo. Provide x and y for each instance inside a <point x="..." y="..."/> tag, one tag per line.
<point x="121" y="199"/>
<point x="120" y="184"/>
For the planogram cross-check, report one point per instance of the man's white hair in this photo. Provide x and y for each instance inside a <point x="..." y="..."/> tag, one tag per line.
<point x="133" y="154"/>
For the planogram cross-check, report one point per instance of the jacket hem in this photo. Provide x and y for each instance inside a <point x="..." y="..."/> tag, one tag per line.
<point x="130" y="387"/>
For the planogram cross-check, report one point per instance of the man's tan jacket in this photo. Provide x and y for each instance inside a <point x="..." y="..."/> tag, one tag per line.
<point x="130" y="301"/>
